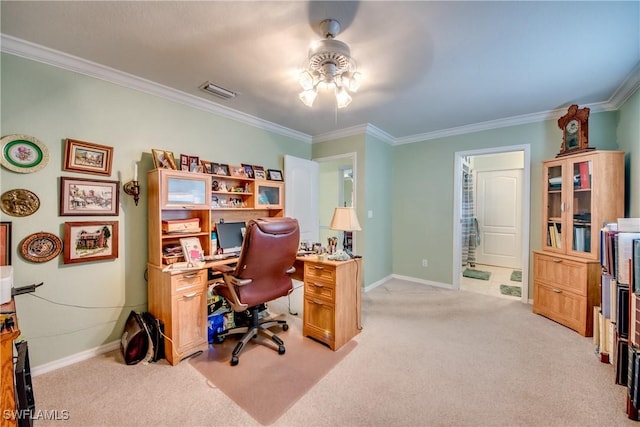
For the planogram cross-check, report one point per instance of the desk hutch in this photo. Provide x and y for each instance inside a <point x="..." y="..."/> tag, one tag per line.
<point x="580" y="193"/>
<point x="179" y="298"/>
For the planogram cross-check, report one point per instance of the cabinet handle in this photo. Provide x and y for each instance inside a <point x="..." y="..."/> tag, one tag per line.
<point x="318" y="267"/>
<point x="556" y="290"/>
<point x="190" y="276"/>
<point x="191" y="295"/>
<point x="316" y="302"/>
<point x="556" y="260"/>
<point x="316" y="285"/>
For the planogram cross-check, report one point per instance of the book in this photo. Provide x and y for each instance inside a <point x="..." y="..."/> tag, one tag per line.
<point x="624" y="249"/>
<point x="629" y="225"/>
<point x="585" y="177"/>
<point x="635" y="266"/>
<point x="191" y="249"/>
<point x="552" y="236"/>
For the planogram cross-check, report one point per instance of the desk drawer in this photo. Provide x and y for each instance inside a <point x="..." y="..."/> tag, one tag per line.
<point x="565" y="307"/>
<point x="319" y="289"/>
<point x="319" y="271"/>
<point x="187" y="282"/>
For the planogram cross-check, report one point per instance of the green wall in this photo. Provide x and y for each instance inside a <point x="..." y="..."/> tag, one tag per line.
<point x="83" y="306"/>
<point x="629" y="141"/>
<point x="423" y="180"/>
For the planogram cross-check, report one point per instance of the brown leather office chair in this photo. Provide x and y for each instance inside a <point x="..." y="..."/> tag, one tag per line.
<point x="262" y="274"/>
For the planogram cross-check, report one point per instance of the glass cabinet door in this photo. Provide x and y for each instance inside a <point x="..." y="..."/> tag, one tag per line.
<point x="579" y="207"/>
<point x="185" y="189"/>
<point x="554" y="203"/>
<point x="269" y="195"/>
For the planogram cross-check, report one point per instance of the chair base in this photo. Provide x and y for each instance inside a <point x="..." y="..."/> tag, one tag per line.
<point x="255" y="329"/>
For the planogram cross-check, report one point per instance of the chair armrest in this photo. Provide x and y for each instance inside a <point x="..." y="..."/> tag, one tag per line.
<point x="291" y="270"/>
<point x="239" y="282"/>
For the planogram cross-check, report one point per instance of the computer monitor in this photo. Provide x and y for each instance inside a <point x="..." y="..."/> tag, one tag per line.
<point x="230" y="236"/>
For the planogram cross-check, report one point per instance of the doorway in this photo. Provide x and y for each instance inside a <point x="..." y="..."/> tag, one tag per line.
<point x="491" y="221"/>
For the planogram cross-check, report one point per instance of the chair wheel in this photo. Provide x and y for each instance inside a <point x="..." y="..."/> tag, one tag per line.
<point x="234" y="360"/>
<point x="281" y="349"/>
<point x="285" y="327"/>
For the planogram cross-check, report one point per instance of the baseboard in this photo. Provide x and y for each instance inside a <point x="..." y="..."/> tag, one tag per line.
<point x="422" y="281"/>
<point x="74" y="358"/>
<point x="378" y="283"/>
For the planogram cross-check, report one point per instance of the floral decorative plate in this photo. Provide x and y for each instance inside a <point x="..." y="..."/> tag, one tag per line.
<point x="23" y="153"/>
<point x="41" y="247"/>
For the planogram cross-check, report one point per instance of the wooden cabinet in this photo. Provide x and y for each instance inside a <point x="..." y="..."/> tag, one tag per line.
<point x="180" y="301"/>
<point x="270" y="195"/>
<point x="332" y="301"/>
<point x="580" y="193"/>
<point x="175" y="196"/>
<point x="7" y="389"/>
<point x="566" y="289"/>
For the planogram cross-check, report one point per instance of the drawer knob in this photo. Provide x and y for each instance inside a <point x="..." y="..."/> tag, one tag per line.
<point x="556" y="290"/>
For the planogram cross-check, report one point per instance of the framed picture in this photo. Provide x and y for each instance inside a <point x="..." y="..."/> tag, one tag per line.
<point x="207" y="166"/>
<point x="86" y="157"/>
<point x="258" y="172"/>
<point x="220" y="169"/>
<point x="248" y="170"/>
<point x="194" y="162"/>
<point x="274" y="174"/>
<point x="184" y="162"/>
<point x="89" y="197"/>
<point x="90" y="241"/>
<point x="163" y="159"/>
<point x="238" y="171"/>
<point x="5" y="243"/>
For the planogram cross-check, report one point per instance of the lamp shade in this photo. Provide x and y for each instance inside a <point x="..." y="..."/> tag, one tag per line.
<point x="345" y="219"/>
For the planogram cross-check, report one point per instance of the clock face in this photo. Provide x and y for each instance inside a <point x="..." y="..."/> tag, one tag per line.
<point x="572" y="127"/>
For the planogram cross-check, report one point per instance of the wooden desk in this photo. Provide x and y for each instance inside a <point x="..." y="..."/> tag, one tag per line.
<point x="332" y="304"/>
<point x="7" y="392"/>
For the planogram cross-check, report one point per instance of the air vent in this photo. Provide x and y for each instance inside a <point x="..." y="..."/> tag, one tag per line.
<point x="218" y="91"/>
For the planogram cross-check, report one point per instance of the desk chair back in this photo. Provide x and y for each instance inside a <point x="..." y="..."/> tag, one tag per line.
<point x="268" y="251"/>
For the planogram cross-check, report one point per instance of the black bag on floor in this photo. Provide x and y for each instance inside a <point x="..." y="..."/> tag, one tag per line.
<point x="135" y="340"/>
<point x="155" y="328"/>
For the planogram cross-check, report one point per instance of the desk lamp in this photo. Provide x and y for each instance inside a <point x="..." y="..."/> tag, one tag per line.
<point x="345" y="219"/>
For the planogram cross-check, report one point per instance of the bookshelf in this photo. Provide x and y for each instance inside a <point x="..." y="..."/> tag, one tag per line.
<point x="580" y="193"/>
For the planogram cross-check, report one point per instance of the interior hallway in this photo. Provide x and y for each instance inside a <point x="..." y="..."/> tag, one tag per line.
<point x="499" y="276"/>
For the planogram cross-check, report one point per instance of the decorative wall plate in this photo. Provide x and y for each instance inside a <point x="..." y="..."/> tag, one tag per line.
<point x="23" y="153"/>
<point x="19" y="202"/>
<point x="41" y="247"/>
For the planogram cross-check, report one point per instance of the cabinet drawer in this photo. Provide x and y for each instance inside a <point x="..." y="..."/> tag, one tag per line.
<point x="563" y="306"/>
<point x="561" y="273"/>
<point x="319" y="320"/>
<point x="189" y="282"/>
<point x="320" y="289"/>
<point x="319" y="271"/>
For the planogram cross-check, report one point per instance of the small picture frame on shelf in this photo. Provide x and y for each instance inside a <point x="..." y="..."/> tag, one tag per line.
<point x="238" y="171"/>
<point x="163" y="159"/>
<point x="184" y="162"/>
<point x="220" y="169"/>
<point x="259" y="172"/>
<point x="194" y="163"/>
<point x="206" y="166"/>
<point x="87" y="157"/>
<point x="274" y="174"/>
<point x="248" y="170"/>
<point x="191" y="249"/>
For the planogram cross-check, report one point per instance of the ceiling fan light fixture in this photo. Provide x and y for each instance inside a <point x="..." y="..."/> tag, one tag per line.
<point x="308" y="96"/>
<point x="329" y="62"/>
<point x="218" y="90"/>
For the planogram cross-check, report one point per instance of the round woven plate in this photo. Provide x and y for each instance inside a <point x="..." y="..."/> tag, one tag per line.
<point x="41" y="247"/>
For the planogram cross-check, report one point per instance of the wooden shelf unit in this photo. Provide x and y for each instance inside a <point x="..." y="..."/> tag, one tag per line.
<point x="580" y="193"/>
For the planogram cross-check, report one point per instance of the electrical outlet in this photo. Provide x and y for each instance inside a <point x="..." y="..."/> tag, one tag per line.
<point x="425" y="263"/>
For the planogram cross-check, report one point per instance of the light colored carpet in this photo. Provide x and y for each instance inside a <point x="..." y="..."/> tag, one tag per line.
<point x="476" y="274"/>
<point x="264" y="383"/>
<point x="426" y="357"/>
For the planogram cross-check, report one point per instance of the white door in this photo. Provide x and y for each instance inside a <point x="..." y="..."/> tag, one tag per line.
<point x="498" y="211"/>
<point x="301" y="195"/>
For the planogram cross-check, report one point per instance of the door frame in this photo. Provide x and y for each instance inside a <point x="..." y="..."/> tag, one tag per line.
<point x="526" y="211"/>
<point x="354" y="164"/>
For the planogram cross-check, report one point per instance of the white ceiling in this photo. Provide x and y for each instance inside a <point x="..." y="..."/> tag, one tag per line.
<point x="430" y="67"/>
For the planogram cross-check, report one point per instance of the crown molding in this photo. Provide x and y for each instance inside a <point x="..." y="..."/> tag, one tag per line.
<point x="32" y="51"/>
<point x="365" y="129"/>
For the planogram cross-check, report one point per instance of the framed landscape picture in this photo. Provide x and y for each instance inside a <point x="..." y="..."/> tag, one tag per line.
<point x="90" y="241"/>
<point x="5" y="243"/>
<point x="86" y="157"/>
<point x="88" y="197"/>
